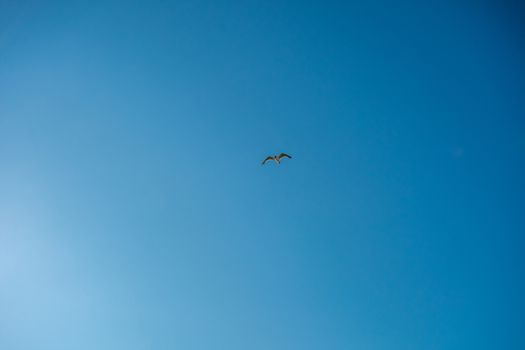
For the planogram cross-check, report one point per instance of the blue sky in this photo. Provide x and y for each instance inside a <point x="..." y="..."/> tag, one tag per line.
<point x="135" y="214"/>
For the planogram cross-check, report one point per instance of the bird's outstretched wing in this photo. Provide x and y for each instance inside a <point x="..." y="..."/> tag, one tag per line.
<point x="267" y="159"/>
<point x="284" y="155"/>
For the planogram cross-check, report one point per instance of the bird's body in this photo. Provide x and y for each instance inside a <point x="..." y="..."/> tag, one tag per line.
<point x="276" y="159"/>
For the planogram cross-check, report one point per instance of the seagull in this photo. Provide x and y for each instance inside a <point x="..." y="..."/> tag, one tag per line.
<point x="277" y="159"/>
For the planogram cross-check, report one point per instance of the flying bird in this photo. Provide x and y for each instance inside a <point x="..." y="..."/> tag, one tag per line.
<point x="277" y="159"/>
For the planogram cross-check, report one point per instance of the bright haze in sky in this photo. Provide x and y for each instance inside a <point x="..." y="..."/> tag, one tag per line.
<point x="135" y="212"/>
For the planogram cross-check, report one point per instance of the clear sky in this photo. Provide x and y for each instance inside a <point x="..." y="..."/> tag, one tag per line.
<point x="135" y="213"/>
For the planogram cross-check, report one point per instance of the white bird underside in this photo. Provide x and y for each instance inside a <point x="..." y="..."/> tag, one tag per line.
<point x="277" y="159"/>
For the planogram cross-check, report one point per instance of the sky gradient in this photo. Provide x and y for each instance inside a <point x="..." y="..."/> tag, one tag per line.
<point x="135" y="213"/>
